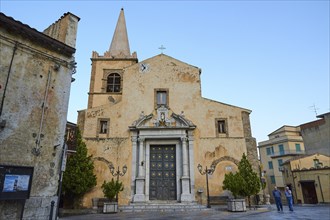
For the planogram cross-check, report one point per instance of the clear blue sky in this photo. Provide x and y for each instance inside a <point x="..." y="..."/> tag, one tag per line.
<point x="268" y="56"/>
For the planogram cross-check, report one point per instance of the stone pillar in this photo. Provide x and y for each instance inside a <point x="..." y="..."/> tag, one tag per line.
<point x="140" y="180"/>
<point x="134" y="163"/>
<point x="191" y="163"/>
<point x="141" y="158"/>
<point x="185" y="180"/>
<point x="184" y="157"/>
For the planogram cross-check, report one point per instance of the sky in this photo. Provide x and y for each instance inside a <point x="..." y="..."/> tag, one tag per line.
<point x="271" y="57"/>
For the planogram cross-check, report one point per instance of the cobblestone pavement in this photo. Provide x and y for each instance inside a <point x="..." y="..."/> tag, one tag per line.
<point x="303" y="212"/>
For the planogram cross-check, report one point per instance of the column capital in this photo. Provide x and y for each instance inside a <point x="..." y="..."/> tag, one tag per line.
<point x="184" y="139"/>
<point x="141" y="139"/>
<point x="134" y="138"/>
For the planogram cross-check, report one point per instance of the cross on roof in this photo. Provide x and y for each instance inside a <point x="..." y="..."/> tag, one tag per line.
<point x="161" y="48"/>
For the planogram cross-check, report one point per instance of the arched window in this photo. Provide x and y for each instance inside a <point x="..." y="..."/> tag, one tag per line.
<point x="113" y="82"/>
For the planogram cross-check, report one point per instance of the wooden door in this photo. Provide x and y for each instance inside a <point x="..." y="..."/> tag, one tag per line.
<point x="309" y="192"/>
<point x="162" y="172"/>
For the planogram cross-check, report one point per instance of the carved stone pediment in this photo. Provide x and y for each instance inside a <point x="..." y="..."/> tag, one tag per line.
<point x="162" y="117"/>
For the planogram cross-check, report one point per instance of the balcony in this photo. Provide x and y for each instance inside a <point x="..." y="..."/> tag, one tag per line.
<point x="287" y="153"/>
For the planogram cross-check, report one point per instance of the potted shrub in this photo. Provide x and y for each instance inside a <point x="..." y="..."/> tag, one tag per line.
<point x="111" y="190"/>
<point x="233" y="183"/>
<point x="244" y="183"/>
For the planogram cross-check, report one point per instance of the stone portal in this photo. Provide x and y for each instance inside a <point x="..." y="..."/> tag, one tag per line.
<point x="162" y="157"/>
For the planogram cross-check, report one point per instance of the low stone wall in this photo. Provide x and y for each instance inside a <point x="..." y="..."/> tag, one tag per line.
<point x="35" y="208"/>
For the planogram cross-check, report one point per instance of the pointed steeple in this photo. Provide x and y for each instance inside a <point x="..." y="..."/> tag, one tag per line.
<point x="119" y="47"/>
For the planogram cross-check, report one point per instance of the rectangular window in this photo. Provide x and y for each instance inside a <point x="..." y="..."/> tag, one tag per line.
<point x="272" y="179"/>
<point x="270" y="165"/>
<point x="280" y="162"/>
<point x="161" y="97"/>
<point x="104" y="126"/>
<point x="281" y="149"/>
<point x="298" y="149"/>
<point x="222" y="126"/>
<point x="270" y="150"/>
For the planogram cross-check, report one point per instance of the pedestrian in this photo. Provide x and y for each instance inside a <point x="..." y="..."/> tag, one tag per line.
<point x="288" y="195"/>
<point x="278" y="200"/>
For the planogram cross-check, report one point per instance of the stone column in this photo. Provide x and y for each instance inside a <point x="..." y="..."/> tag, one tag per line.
<point x="185" y="180"/>
<point x="134" y="163"/>
<point x="140" y="180"/>
<point x="141" y="158"/>
<point x="184" y="157"/>
<point x="191" y="163"/>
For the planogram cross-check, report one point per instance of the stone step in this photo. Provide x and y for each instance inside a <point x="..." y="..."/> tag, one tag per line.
<point x="161" y="207"/>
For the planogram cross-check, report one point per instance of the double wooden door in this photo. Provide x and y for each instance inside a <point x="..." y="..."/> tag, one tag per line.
<point x="309" y="192"/>
<point x="162" y="172"/>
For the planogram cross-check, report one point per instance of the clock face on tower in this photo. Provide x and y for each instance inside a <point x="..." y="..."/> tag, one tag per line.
<point x="144" y="67"/>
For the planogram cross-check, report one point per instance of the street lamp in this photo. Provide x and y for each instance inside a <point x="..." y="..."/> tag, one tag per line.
<point x="206" y="172"/>
<point x="117" y="173"/>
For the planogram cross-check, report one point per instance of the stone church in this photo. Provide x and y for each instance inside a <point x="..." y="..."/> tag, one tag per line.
<point x="149" y="119"/>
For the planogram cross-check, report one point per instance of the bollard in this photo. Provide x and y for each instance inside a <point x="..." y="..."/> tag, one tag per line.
<point x="51" y="210"/>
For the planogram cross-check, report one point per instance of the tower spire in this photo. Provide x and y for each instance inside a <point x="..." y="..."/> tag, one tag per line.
<point x="119" y="47"/>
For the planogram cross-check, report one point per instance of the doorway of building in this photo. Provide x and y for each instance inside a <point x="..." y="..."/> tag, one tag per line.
<point x="309" y="192"/>
<point x="162" y="172"/>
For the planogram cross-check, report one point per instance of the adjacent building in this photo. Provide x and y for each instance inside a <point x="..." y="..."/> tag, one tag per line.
<point x="316" y="135"/>
<point x="36" y="73"/>
<point x="283" y="144"/>
<point x="149" y="117"/>
<point x="310" y="176"/>
<point x="298" y="157"/>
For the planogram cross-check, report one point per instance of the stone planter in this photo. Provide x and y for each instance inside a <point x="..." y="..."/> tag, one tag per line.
<point x="95" y="201"/>
<point x="110" y="207"/>
<point x="267" y="198"/>
<point x="236" y="205"/>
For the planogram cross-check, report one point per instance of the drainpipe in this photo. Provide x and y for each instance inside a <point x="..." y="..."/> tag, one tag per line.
<point x="36" y="149"/>
<point x="294" y="185"/>
<point x="5" y="89"/>
<point x="318" y="177"/>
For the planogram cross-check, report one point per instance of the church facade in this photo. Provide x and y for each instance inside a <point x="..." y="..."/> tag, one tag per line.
<point x="148" y="122"/>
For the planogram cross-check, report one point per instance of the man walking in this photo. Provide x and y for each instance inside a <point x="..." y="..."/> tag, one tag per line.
<point x="288" y="195"/>
<point x="278" y="200"/>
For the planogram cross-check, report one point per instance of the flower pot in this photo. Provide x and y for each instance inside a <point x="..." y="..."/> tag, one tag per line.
<point x="236" y="205"/>
<point x="110" y="207"/>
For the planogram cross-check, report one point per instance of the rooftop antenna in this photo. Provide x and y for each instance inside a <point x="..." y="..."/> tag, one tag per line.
<point x="313" y="107"/>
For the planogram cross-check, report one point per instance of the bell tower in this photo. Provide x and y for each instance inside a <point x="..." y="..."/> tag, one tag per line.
<point x="107" y="71"/>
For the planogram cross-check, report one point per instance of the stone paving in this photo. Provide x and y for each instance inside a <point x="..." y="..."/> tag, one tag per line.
<point x="303" y="212"/>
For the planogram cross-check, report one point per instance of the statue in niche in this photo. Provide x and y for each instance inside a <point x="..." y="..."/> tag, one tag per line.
<point x="162" y="121"/>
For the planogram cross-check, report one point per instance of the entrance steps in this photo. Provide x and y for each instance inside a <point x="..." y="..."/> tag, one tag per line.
<point x="161" y="206"/>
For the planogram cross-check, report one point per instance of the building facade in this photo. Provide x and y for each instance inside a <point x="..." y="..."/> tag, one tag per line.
<point x="150" y="118"/>
<point x="316" y="135"/>
<point x="283" y="144"/>
<point x="310" y="176"/>
<point x="36" y="74"/>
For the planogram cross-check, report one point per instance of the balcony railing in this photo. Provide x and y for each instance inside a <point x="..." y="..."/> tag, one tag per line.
<point x="287" y="152"/>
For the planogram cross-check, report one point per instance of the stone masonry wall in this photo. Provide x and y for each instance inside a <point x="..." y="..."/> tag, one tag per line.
<point x="33" y="119"/>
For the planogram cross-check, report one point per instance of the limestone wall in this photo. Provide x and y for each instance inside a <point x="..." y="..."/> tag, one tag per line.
<point x="33" y="117"/>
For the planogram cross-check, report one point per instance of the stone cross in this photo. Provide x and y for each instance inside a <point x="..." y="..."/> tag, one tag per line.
<point x="162" y="48"/>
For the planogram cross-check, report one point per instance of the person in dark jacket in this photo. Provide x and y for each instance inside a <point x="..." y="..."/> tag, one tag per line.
<point x="278" y="200"/>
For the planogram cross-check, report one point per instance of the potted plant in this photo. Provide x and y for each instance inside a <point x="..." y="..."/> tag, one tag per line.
<point x="111" y="190"/>
<point x="233" y="183"/>
<point x="244" y="183"/>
